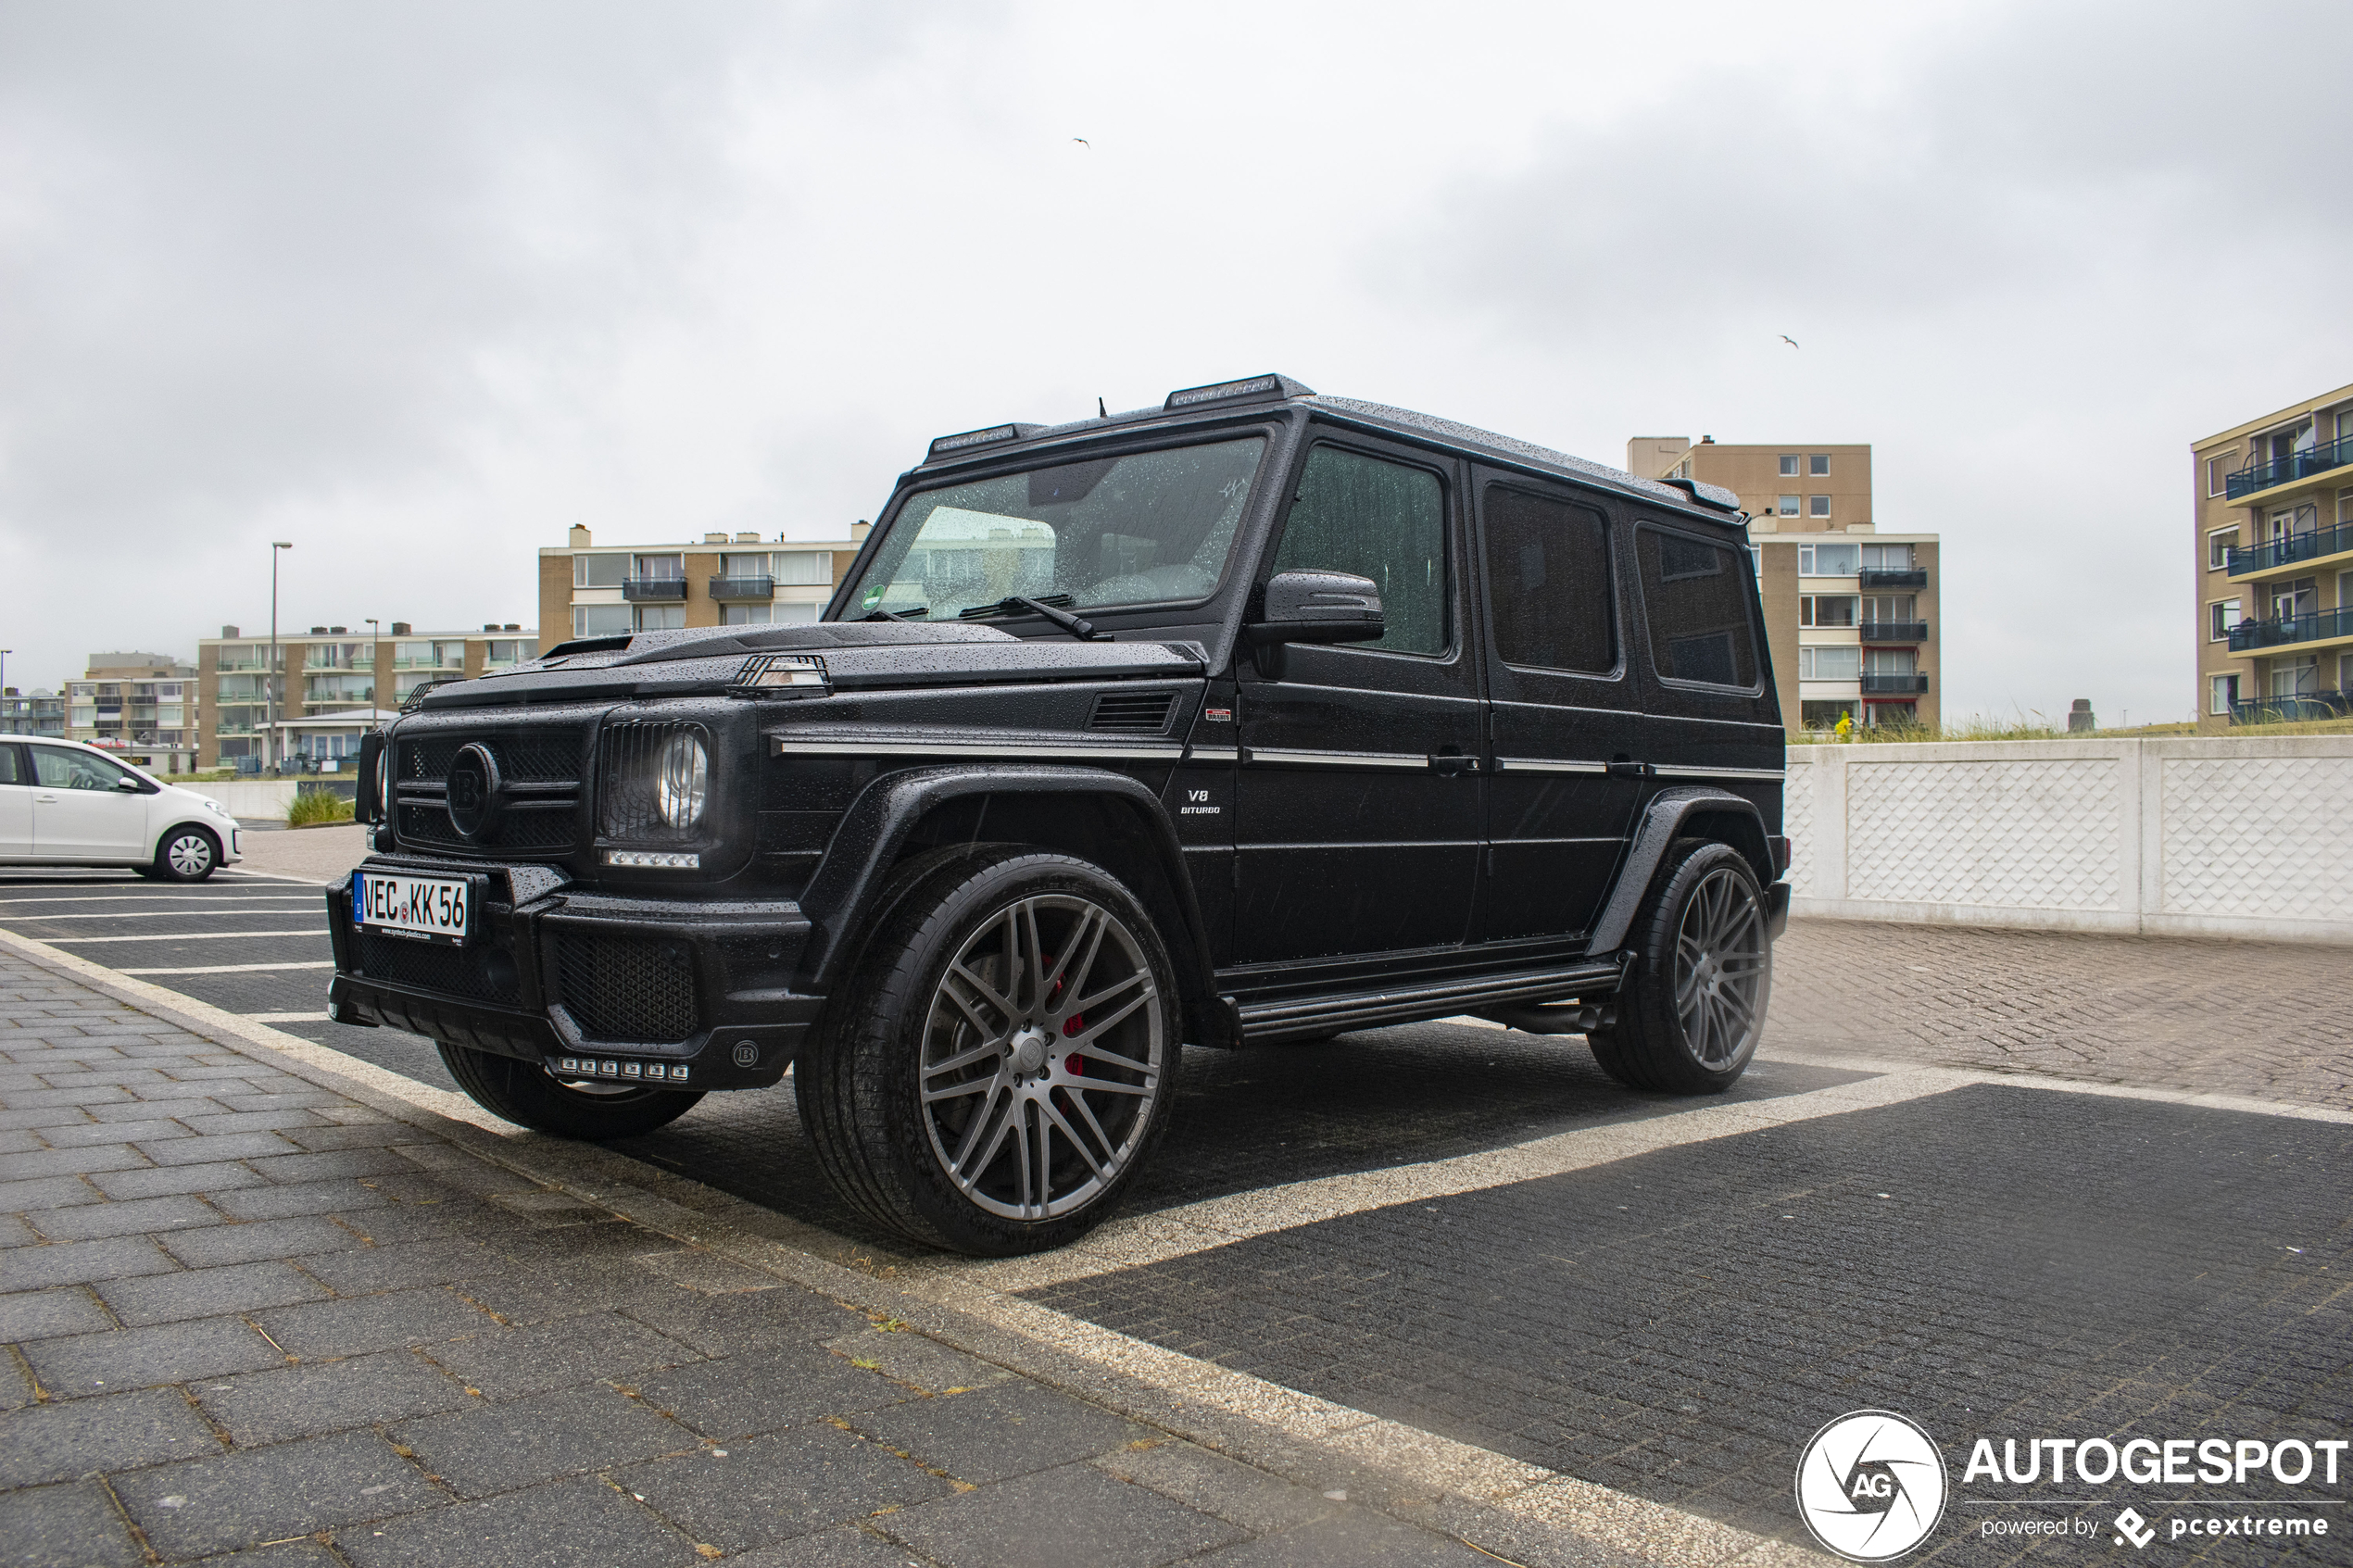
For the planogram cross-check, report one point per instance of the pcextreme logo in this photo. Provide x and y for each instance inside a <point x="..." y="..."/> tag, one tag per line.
<point x="1871" y="1486"/>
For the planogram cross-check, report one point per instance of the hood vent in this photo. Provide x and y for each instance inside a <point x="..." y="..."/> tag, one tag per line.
<point x="1132" y="713"/>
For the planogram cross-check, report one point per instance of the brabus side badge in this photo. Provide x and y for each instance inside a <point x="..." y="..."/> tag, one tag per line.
<point x="1218" y="715"/>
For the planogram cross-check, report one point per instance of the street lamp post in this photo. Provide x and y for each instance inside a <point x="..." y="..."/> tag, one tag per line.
<point x="272" y="745"/>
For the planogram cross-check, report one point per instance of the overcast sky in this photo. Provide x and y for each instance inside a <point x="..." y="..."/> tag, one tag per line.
<point x="418" y="286"/>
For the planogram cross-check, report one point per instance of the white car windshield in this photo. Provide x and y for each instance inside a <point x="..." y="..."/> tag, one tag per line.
<point x="1147" y="528"/>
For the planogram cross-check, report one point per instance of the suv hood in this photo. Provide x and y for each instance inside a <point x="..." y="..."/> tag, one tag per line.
<point x="857" y="655"/>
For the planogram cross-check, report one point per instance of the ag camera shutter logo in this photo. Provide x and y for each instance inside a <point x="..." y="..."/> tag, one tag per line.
<point x="1871" y="1486"/>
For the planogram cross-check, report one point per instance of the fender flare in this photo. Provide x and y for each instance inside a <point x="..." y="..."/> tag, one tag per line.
<point x="1740" y="824"/>
<point x="209" y="830"/>
<point x="840" y="895"/>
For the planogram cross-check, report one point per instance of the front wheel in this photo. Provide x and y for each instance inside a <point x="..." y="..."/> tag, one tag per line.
<point x="1694" y="1004"/>
<point x="186" y="854"/>
<point x="525" y="1094"/>
<point x="1005" y="1058"/>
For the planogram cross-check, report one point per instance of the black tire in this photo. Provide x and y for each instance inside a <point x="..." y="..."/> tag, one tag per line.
<point x="1689" y="1018"/>
<point x="1000" y="1061"/>
<point x="524" y="1094"/>
<point x="186" y="854"/>
<point x="146" y="870"/>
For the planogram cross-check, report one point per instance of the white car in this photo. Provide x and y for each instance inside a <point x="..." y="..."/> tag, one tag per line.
<point x="66" y="804"/>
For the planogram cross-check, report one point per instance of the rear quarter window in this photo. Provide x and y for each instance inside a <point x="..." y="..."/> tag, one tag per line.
<point x="1695" y="597"/>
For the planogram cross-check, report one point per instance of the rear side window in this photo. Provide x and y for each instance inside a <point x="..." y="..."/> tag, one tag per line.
<point x="1548" y="575"/>
<point x="9" y="773"/>
<point x="1379" y="519"/>
<point x="1695" y="595"/>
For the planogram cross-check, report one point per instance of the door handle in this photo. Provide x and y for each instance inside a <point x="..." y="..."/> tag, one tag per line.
<point x="1623" y="769"/>
<point x="46" y="799"/>
<point x="1451" y="762"/>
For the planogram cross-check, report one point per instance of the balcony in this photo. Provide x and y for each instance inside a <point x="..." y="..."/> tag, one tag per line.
<point x="2328" y="625"/>
<point x="2312" y="460"/>
<point x="1893" y="631"/>
<point x="741" y="588"/>
<point x="2293" y="550"/>
<point x="2298" y="708"/>
<point x="1880" y="577"/>
<point x="427" y="661"/>
<point x="1895" y="685"/>
<point x="641" y="590"/>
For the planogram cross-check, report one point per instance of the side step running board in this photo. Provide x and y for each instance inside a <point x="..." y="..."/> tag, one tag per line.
<point x="1407" y="1004"/>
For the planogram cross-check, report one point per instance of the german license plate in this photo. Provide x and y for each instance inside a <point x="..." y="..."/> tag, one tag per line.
<point x="425" y="909"/>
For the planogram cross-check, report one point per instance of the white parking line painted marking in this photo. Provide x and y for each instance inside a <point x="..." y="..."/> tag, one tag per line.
<point x="160" y="914"/>
<point x="191" y="936"/>
<point x="207" y="898"/>
<point x="211" y="969"/>
<point x="316" y="1015"/>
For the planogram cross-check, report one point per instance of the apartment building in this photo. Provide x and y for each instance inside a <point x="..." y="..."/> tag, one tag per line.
<point x="41" y="713"/>
<point x="2272" y="501"/>
<point x="332" y="685"/>
<point x="136" y="705"/>
<point x="1850" y="610"/>
<point x="728" y="580"/>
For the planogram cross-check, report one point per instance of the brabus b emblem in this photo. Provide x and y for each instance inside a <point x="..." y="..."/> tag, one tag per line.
<point x="1870" y="1486"/>
<point x="746" y="1054"/>
<point x="472" y="786"/>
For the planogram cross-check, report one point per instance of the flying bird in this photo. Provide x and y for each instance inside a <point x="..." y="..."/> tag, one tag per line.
<point x="1787" y="339"/>
<point x="1084" y="142"/>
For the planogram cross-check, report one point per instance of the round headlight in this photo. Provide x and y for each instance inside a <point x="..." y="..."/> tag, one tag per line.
<point x="685" y="780"/>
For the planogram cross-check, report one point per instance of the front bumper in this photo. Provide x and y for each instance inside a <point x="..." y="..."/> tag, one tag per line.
<point x="707" y="982"/>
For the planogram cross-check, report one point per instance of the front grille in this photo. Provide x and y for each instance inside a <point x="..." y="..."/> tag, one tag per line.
<point x="1133" y="712"/>
<point x="622" y="988"/>
<point x="539" y="770"/>
<point x="482" y="972"/>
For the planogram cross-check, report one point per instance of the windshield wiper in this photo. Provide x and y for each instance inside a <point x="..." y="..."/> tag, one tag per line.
<point x="1083" y="630"/>
<point x="911" y="614"/>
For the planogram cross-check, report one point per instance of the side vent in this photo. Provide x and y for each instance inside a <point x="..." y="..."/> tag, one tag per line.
<point x="1134" y="713"/>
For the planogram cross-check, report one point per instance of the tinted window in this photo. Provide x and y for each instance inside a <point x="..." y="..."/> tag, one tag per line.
<point x="8" y="766"/>
<point x="1548" y="574"/>
<point x="1696" y="597"/>
<point x="73" y="769"/>
<point x="1379" y="519"/>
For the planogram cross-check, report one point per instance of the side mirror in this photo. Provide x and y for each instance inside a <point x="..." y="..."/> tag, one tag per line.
<point x="1320" y="606"/>
<point x="128" y="785"/>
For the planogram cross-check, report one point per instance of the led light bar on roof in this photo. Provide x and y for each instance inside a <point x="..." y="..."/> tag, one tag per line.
<point x="1225" y="391"/>
<point x="989" y="437"/>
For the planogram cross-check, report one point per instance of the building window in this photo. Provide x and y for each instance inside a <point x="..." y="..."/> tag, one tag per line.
<point x="2293" y="600"/>
<point x="1889" y="661"/>
<point x="1826" y="610"/>
<point x="599" y="571"/>
<point x="1839" y="662"/>
<point x="1819" y="464"/>
<point x="2218" y="549"/>
<point x="2296" y="677"/>
<point x="662" y="569"/>
<point x="1828" y="560"/>
<point x="2221" y="615"/>
<point x="743" y="615"/>
<point x="1819" y="715"/>
<point x="661" y="618"/>
<point x="1786" y="505"/>
<point x="1888" y="558"/>
<point x="2345" y="506"/>
<point x="805" y="568"/>
<point x="1789" y="465"/>
<point x="601" y="620"/>
<point x="2218" y="473"/>
<point x="1817" y="505"/>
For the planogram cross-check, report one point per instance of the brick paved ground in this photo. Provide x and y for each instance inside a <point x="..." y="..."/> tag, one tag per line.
<point x="239" y="1309"/>
<point x="2266" y="1019"/>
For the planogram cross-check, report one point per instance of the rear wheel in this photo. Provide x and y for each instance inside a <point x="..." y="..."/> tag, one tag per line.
<point x="1005" y="1058"/>
<point x="1689" y="1017"/>
<point x="186" y="854"/>
<point x="525" y="1093"/>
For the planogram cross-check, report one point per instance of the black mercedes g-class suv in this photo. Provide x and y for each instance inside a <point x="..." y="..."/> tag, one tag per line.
<point x="1258" y="716"/>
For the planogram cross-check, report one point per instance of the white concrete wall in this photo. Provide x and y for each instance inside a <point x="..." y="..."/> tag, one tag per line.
<point x="2203" y="837"/>
<point x="265" y="800"/>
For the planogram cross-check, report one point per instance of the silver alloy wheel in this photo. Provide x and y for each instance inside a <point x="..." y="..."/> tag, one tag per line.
<point x="1042" y="1057"/>
<point x="1720" y="968"/>
<point x="189" y="855"/>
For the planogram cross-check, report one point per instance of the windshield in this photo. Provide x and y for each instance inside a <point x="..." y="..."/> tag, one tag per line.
<point x="1144" y="529"/>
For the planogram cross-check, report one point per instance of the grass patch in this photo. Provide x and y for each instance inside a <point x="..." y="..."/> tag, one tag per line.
<point x="312" y="808"/>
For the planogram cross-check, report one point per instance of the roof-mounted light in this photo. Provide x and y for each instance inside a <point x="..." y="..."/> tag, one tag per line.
<point x="780" y="674"/>
<point x="949" y="444"/>
<point x="1251" y="388"/>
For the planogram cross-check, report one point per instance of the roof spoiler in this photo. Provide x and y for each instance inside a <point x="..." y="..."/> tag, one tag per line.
<point x="1714" y="497"/>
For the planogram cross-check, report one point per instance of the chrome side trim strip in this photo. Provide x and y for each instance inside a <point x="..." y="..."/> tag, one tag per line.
<point x="1677" y="771"/>
<point x="1546" y="765"/>
<point x="1216" y="754"/>
<point x="800" y="748"/>
<point x="1341" y="759"/>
